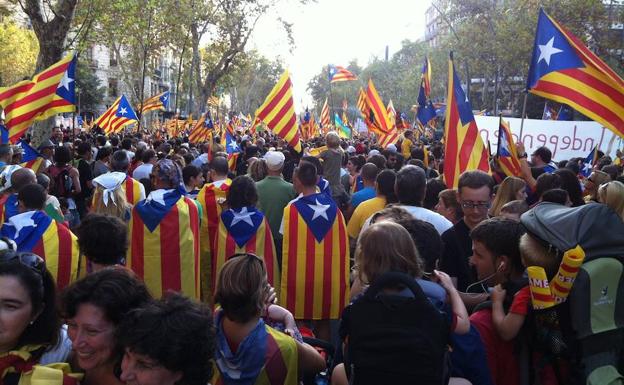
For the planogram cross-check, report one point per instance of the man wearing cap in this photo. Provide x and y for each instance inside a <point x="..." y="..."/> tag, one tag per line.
<point x="164" y="235"/>
<point x="47" y="152"/>
<point x="274" y="193"/>
<point x="540" y="161"/>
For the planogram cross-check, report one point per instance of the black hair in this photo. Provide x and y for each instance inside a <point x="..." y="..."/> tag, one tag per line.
<point x="62" y="155"/>
<point x="555" y="195"/>
<point x="385" y="185"/>
<point x="306" y="173"/>
<point x="33" y="196"/>
<point x="378" y="160"/>
<point x="220" y="165"/>
<point x="189" y="172"/>
<point x="42" y="292"/>
<point x="358" y="161"/>
<point x="119" y="161"/>
<point x="434" y="187"/>
<point x="612" y="169"/>
<point x="475" y="180"/>
<point x="315" y="161"/>
<point x="148" y="155"/>
<point x="546" y="182"/>
<point x="242" y="192"/>
<point x="571" y="184"/>
<point x="544" y="153"/>
<point x="427" y="240"/>
<point x="102" y="153"/>
<point x="100" y="140"/>
<point x="126" y="143"/>
<point x="103" y="239"/>
<point x="410" y="185"/>
<point x="175" y="332"/>
<point x="501" y="236"/>
<point x="83" y="148"/>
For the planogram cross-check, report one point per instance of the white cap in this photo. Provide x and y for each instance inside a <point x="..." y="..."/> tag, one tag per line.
<point x="373" y="152"/>
<point x="274" y="160"/>
<point x="391" y="147"/>
<point x="5" y="176"/>
<point x="350" y="149"/>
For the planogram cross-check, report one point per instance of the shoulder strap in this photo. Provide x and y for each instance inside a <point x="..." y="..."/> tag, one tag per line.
<point x="393" y="277"/>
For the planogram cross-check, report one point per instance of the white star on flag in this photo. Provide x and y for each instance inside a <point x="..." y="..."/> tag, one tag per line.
<point x="547" y="50"/>
<point x="123" y="111"/>
<point x="65" y="81"/>
<point x="587" y="167"/>
<point x="233" y="145"/>
<point x="158" y="196"/>
<point x="320" y="210"/>
<point x="165" y="98"/>
<point x="243" y="216"/>
<point x="21" y="221"/>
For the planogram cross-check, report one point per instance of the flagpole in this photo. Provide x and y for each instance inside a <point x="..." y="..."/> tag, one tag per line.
<point x="331" y="101"/>
<point x="526" y="94"/>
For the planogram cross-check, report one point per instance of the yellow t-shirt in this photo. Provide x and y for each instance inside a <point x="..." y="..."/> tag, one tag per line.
<point x="406" y="148"/>
<point x="362" y="213"/>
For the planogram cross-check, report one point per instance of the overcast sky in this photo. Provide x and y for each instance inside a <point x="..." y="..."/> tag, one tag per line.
<point x="358" y="29"/>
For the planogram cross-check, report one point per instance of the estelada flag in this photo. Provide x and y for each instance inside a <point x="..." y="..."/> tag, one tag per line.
<point x="31" y="158"/>
<point x="506" y="154"/>
<point x="50" y="92"/>
<point x="315" y="262"/>
<point x="211" y="198"/>
<point x="164" y="243"/>
<point x="463" y="147"/>
<point x="134" y="190"/>
<point x="36" y="232"/>
<point x="8" y="207"/>
<point x="563" y="69"/>
<point x="245" y="230"/>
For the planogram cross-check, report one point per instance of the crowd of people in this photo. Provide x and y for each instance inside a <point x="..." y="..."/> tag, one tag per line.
<point x="135" y="260"/>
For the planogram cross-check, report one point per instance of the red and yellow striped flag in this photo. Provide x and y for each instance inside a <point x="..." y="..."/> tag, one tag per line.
<point x="36" y="232"/>
<point x="463" y="147"/>
<point x="156" y="102"/>
<point x="278" y="112"/>
<point x="8" y="206"/>
<point x="379" y="115"/>
<point x="386" y="139"/>
<point x="391" y="114"/>
<point x="325" y="116"/>
<point x="134" y="190"/>
<point x="119" y="115"/>
<point x="164" y="243"/>
<point x="50" y="92"/>
<point x="315" y="265"/>
<point x="506" y="154"/>
<point x="245" y="230"/>
<point x="211" y="199"/>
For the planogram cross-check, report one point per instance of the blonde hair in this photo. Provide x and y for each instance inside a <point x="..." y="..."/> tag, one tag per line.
<point x="242" y="287"/>
<point x="612" y="195"/>
<point x="506" y="193"/>
<point x="258" y="170"/>
<point x="332" y="139"/>
<point x="534" y="253"/>
<point x="118" y="208"/>
<point x="383" y="247"/>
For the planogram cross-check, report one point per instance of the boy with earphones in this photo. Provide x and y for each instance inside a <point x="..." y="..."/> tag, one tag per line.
<point x="496" y="259"/>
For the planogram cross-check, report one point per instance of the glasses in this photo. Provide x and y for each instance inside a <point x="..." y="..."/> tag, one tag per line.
<point x="30" y="260"/>
<point x="476" y="205"/>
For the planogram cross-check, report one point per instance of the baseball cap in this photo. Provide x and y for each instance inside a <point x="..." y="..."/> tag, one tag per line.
<point x="274" y="160"/>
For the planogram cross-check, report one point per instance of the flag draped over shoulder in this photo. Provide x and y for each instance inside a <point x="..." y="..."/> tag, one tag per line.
<point x="278" y="112"/>
<point x="463" y="147"/>
<point x="9" y="206"/>
<point x="563" y="69"/>
<point x="164" y="243"/>
<point x="31" y="158"/>
<point x="156" y="102"/>
<point x="36" y="232"/>
<point x="339" y="74"/>
<point x="134" y="190"/>
<point x="315" y="265"/>
<point x="245" y="230"/>
<point x="50" y="92"/>
<point x="211" y="197"/>
<point x="377" y="114"/>
<point x="506" y="154"/>
<point x="119" y="115"/>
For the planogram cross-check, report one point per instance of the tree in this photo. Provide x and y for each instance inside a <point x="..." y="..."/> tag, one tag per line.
<point x="88" y="89"/>
<point x="19" y="47"/>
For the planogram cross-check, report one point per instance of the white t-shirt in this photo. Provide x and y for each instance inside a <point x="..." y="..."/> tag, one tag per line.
<point x="440" y="223"/>
<point x="143" y="171"/>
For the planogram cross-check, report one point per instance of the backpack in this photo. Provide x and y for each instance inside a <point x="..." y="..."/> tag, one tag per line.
<point x="62" y="184"/>
<point x="395" y="339"/>
<point x="587" y="330"/>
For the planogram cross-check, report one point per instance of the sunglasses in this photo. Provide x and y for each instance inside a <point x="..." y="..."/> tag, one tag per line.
<point x="30" y="260"/>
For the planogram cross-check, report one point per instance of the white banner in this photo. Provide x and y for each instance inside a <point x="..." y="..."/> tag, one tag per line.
<point x="566" y="139"/>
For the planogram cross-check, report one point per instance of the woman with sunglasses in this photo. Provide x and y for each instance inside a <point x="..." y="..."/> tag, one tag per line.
<point x="30" y="334"/>
<point x="93" y="308"/>
<point x="247" y="348"/>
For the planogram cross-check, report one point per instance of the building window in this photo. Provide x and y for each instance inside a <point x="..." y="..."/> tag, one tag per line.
<point x="112" y="87"/>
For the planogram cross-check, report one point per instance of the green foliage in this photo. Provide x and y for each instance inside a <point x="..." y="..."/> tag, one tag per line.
<point x="88" y="88"/>
<point x="19" y="49"/>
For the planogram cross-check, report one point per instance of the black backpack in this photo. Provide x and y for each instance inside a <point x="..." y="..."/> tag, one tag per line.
<point x="587" y="330"/>
<point x="394" y="339"/>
